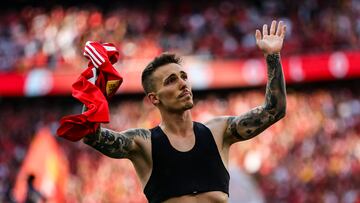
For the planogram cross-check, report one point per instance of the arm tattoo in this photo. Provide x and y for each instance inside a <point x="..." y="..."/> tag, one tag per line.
<point x="115" y="144"/>
<point x="275" y="88"/>
<point x="258" y="119"/>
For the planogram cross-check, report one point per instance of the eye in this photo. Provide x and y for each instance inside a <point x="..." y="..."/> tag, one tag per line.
<point x="170" y="80"/>
<point x="184" y="77"/>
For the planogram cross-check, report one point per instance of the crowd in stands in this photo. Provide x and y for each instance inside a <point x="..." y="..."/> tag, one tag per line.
<point x="53" y="37"/>
<point x="312" y="155"/>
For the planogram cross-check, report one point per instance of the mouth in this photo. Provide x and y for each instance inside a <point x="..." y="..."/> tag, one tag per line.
<point x="185" y="93"/>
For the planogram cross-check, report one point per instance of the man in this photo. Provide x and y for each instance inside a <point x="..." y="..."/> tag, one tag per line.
<point x="33" y="195"/>
<point x="185" y="161"/>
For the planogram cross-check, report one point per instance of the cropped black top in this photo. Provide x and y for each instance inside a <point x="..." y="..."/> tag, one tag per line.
<point x="176" y="173"/>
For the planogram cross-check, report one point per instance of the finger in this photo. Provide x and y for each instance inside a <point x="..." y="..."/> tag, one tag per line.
<point x="279" y="28"/>
<point x="257" y="36"/>
<point x="273" y="27"/>
<point x="283" y="32"/>
<point x="265" y="30"/>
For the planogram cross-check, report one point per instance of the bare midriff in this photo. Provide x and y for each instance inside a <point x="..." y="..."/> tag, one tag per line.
<point x="206" y="197"/>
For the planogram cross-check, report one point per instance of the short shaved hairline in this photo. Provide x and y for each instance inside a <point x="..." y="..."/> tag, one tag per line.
<point x="146" y="76"/>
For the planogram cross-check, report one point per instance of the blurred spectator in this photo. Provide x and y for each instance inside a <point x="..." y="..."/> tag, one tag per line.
<point x="33" y="195"/>
<point x="39" y="37"/>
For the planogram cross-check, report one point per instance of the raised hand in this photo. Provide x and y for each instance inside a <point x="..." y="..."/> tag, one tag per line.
<point x="271" y="43"/>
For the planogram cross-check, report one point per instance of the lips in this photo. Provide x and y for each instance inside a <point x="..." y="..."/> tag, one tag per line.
<point x="184" y="93"/>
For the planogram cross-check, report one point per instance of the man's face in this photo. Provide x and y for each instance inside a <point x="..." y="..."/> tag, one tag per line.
<point x="172" y="88"/>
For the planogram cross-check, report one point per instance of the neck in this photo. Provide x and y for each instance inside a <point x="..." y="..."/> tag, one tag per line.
<point x="177" y="123"/>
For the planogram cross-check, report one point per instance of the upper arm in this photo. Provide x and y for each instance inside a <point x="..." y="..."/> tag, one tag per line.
<point x="230" y="129"/>
<point x="117" y="144"/>
<point x="250" y="124"/>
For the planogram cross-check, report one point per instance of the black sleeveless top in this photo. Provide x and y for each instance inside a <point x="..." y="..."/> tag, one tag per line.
<point x="176" y="173"/>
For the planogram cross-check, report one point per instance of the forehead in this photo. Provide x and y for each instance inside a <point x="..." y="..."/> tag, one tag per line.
<point x="166" y="70"/>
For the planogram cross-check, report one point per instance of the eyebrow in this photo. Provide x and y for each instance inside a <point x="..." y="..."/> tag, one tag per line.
<point x="168" y="77"/>
<point x="172" y="74"/>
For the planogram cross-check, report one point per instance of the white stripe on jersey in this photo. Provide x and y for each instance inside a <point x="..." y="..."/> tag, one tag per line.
<point x="88" y="51"/>
<point x="91" y="60"/>
<point x="95" y="51"/>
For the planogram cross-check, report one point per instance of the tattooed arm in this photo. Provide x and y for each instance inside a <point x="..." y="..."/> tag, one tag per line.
<point x="117" y="144"/>
<point x="258" y="119"/>
<point x="228" y="130"/>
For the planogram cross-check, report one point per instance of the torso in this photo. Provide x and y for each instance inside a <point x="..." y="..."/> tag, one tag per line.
<point x="207" y="197"/>
<point x="143" y="166"/>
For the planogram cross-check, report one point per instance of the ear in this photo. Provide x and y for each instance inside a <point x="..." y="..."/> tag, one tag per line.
<point x="153" y="98"/>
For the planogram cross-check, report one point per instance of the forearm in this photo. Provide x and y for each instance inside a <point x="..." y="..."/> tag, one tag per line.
<point x="275" y="96"/>
<point x="109" y="143"/>
<point x="255" y="121"/>
<point x="116" y="144"/>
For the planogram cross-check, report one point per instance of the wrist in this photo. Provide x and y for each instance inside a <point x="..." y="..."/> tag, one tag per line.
<point x="271" y="54"/>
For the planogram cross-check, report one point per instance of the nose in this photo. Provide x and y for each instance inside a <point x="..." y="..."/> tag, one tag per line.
<point x="182" y="83"/>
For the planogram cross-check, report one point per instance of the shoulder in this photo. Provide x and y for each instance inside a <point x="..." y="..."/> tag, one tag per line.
<point x="140" y="136"/>
<point x="217" y="126"/>
<point x="138" y="132"/>
<point x="141" y="139"/>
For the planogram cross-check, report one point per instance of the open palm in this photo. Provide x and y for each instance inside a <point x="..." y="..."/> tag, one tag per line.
<point x="271" y="42"/>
